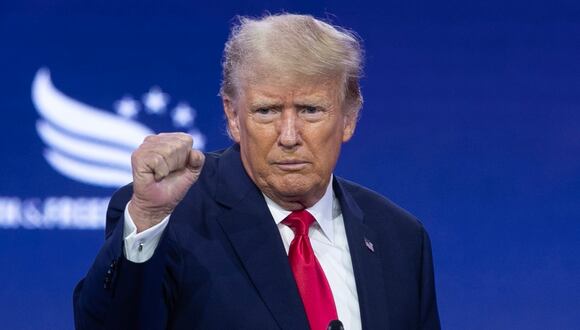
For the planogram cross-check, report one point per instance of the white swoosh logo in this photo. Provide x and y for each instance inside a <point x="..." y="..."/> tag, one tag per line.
<point x="84" y="143"/>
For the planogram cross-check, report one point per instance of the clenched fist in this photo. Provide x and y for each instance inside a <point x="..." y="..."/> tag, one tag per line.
<point x="164" y="168"/>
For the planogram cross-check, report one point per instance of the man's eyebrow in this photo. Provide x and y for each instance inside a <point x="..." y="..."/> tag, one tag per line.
<point x="316" y="102"/>
<point x="312" y="104"/>
<point x="266" y="104"/>
<point x="300" y="102"/>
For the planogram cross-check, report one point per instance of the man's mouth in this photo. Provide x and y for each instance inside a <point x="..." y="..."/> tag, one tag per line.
<point x="291" y="165"/>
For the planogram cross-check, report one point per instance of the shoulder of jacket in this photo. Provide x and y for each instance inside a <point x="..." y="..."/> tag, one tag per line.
<point x="377" y="207"/>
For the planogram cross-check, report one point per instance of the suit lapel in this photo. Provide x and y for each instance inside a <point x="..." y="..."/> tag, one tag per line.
<point x="366" y="262"/>
<point x="249" y="226"/>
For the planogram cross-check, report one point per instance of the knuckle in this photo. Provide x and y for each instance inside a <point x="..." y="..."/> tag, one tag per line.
<point x="134" y="156"/>
<point x="179" y="146"/>
<point x="137" y="156"/>
<point x="187" y="138"/>
<point x="184" y="137"/>
<point x="149" y="139"/>
<point x="157" y="160"/>
<point x="169" y="149"/>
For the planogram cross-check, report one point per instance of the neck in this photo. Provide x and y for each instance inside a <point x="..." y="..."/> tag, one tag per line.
<point x="294" y="204"/>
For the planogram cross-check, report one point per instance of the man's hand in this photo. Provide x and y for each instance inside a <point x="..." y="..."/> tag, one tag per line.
<point x="164" y="168"/>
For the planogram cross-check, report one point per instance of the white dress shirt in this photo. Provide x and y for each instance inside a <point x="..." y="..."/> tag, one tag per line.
<point x="327" y="235"/>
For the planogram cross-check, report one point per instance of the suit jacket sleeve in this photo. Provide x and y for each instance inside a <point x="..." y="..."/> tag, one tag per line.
<point x="429" y="312"/>
<point x="117" y="293"/>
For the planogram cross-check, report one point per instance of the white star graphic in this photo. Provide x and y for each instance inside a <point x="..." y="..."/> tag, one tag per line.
<point x="127" y="107"/>
<point x="155" y="100"/>
<point x="183" y="115"/>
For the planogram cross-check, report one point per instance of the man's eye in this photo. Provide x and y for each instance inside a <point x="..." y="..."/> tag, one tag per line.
<point x="263" y="111"/>
<point x="310" y="110"/>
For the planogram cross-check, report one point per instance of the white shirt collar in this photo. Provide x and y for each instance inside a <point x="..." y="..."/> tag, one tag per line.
<point x="322" y="212"/>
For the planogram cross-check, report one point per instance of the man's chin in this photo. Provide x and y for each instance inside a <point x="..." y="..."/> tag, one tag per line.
<point x="295" y="190"/>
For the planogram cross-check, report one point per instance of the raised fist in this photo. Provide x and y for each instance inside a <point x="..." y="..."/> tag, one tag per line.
<point x="164" y="168"/>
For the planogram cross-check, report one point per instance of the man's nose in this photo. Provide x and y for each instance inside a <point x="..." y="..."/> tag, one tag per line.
<point x="289" y="130"/>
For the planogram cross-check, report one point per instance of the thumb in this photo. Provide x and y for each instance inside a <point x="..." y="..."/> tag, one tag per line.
<point x="196" y="161"/>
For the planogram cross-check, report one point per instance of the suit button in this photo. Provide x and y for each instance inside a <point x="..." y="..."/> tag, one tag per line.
<point x="109" y="275"/>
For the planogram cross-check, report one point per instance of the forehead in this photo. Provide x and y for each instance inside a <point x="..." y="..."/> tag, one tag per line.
<point x="284" y="87"/>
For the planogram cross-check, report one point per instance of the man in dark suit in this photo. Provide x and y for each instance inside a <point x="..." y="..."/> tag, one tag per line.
<point x="262" y="235"/>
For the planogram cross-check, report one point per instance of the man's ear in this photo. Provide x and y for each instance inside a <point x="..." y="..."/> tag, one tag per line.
<point x="232" y="118"/>
<point x="350" y="120"/>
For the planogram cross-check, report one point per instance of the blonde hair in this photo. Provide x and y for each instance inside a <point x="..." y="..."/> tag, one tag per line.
<point x="294" y="45"/>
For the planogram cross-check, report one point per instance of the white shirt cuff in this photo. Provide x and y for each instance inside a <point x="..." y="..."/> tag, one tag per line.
<point x="139" y="247"/>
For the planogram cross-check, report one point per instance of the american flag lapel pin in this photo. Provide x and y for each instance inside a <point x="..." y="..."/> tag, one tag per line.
<point x="369" y="245"/>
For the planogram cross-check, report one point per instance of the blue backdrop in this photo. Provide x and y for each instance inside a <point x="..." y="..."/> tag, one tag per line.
<point x="471" y="122"/>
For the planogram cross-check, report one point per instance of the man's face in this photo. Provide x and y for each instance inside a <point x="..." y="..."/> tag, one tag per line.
<point x="290" y="133"/>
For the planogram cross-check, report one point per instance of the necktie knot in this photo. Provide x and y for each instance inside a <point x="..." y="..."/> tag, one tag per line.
<point x="299" y="221"/>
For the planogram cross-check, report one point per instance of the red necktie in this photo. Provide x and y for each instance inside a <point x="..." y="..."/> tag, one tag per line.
<point x="312" y="284"/>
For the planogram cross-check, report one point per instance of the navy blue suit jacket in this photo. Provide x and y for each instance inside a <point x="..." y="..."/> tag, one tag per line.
<point x="221" y="263"/>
